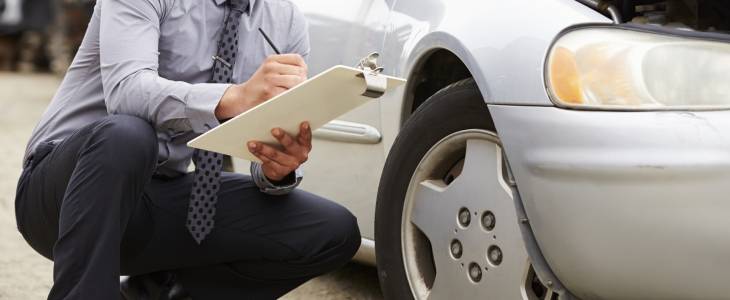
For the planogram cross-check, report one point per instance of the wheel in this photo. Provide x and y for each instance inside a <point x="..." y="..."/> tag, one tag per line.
<point x="445" y="222"/>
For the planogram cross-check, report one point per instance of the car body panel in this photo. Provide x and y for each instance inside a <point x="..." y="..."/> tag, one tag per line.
<point x="342" y="32"/>
<point x="502" y="43"/>
<point x="626" y="205"/>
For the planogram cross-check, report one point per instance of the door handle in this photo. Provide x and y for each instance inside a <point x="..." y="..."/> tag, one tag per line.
<point x="348" y="132"/>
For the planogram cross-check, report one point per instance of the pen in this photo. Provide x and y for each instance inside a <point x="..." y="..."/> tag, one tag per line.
<point x="268" y="40"/>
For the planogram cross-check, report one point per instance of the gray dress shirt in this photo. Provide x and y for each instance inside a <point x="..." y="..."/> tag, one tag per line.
<point x="153" y="58"/>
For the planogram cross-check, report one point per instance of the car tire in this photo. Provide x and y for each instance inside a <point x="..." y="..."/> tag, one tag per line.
<point x="457" y="107"/>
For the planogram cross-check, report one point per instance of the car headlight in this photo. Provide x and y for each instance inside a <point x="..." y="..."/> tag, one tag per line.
<point x="620" y="68"/>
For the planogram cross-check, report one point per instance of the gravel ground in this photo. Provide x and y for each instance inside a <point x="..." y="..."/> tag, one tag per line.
<point x="27" y="275"/>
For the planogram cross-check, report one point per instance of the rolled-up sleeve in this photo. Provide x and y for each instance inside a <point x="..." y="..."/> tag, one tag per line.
<point x="129" y="37"/>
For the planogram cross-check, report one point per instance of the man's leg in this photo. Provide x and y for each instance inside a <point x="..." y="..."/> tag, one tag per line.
<point x="76" y="203"/>
<point x="261" y="247"/>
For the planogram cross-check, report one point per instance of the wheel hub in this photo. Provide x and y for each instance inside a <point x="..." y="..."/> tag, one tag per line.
<point x="473" y="255"/>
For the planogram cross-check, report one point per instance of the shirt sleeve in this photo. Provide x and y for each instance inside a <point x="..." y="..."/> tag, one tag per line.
<point x="299" y="37"/>
<point x="129" y="37"/>
<point x="299" y="34"/>
<point x="280" y="188"/>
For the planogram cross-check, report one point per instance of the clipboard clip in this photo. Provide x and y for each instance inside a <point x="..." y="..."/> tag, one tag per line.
<point x="376" y="84"/>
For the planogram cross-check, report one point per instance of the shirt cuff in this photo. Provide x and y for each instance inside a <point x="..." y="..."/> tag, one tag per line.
<point x="270" y="188"/>
<point x="201" y="103"/>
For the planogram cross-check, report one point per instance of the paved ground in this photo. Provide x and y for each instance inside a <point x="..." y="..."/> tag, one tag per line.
<point x="26" y="275"/>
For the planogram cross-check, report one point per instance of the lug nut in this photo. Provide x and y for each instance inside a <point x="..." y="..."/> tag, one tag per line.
<point x="464" y="217"/>
<point x="456" y="249"/>
<point x="488" y="220"/>
<point x="475" y="272"/>
<point x="494" y="255"/>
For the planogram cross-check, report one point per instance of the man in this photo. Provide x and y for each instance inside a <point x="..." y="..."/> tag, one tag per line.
<point x="105" y="188"/>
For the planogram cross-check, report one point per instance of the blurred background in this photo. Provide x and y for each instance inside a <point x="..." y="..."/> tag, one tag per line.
<point x="41" y="35"/>
<point x="38" y="39"/>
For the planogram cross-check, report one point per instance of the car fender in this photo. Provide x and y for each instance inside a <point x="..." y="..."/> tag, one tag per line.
<point x="504" y="50"/>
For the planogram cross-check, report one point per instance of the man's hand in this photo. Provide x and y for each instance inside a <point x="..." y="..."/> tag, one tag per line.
<point x="278" y="164"/>
<point x="277" y="74"/>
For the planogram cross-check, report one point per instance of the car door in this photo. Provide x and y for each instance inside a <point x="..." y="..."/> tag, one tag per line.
<point x="347" y="155"/>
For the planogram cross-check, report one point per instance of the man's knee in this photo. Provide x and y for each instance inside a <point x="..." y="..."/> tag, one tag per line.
<point x="347" y="231"/>
<point x="125" y="142"/>
<point x="341" y="234"/>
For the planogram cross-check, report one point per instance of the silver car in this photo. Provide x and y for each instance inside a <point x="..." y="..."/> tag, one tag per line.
<point x="541" y="149"/>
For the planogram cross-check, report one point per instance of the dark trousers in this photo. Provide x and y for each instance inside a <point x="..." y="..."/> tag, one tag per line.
<point x="92" y="204"/>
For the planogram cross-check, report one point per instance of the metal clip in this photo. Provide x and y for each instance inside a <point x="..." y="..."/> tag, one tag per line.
<point x="376" y="84"/>
<point x="223" y="61"/>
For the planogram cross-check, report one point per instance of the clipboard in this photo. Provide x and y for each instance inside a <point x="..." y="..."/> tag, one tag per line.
<point x="318" y="100"/>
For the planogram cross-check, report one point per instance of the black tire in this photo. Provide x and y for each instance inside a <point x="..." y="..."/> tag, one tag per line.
<point x="457" y="107"/>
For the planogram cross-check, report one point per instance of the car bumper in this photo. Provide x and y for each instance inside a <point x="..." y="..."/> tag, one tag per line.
<point x="625" y="205"/>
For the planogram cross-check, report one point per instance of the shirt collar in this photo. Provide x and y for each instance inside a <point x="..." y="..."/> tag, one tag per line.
<point x="250" y="3"/>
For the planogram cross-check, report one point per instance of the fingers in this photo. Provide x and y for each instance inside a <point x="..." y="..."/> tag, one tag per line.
<point x="284" y="81"/>
<point x="291" y="145"/>
<point x="289" y="59"/>
<point x="284" y="69"/>
<point x="271" y="167"/>
<point x="284" y="138"/>
<point x="281" y="75"/>
<point x="269" y="154"/>
<point x="273" y="170"/>
<point x="275" y="163"/>
<point x="305" y="136"/>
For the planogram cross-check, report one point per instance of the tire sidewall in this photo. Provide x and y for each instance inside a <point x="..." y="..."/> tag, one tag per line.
<point x="456" y="107"/>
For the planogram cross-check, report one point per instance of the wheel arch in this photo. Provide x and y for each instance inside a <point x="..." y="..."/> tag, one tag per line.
<point x="437" y="61"/>
<point x="502" y="53"/>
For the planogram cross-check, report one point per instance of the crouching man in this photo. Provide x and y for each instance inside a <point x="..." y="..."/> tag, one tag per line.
<point x="105" y="189"/>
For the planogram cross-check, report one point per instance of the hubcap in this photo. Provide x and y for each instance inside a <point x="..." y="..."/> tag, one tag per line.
<point x="452" y="243"/>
